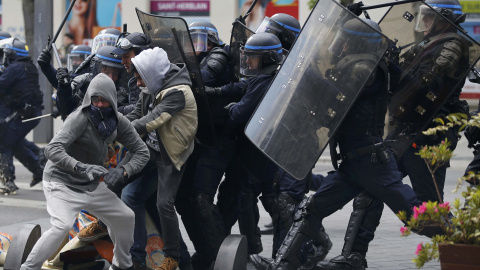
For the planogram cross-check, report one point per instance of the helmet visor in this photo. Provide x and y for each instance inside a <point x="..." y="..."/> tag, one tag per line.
<point x="339" y="44"/>
<point x="200" y="41"/>
<point x="113" y="72"/>
<point x="269" y="26"/>
<point x="103" y="40"/>
<point x="74" y="60"/>
<point x="250" y="62"/>
<point x="426" y="19"/>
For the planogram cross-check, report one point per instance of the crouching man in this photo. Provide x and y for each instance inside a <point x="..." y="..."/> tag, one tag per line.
<point x="72" y="176"/>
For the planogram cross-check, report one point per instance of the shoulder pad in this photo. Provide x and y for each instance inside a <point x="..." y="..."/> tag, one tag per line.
<point x="217" y="61"/>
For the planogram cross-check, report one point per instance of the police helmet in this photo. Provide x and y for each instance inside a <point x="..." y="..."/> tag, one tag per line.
<point x="12" y="49"/>
<point x="104" y="62"/>
<point x="284" y="26"/>
<point x="77" y="55"/>
<point x="135" y="41"/>
<point x="105" y="37"/>
<point x="260" y="51"/>
<point x="4" y="35"/>
<point x="355" y="35"/>
<point x="428" y="19"/>
<point x="201" y="32"/>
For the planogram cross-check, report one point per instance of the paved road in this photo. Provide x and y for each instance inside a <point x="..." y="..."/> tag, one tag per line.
<point x="387" y="251"/>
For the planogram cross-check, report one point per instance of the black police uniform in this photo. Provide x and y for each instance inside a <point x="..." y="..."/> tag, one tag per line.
<point x="205" y="168"/>
<point x="20" y="98"/>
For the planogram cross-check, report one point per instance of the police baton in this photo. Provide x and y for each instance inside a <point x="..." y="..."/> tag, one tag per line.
<point x="249" y="10"/>
<point x="35" y="118"/>
<point x="61" y="24"/>
<point x="51" y="43"/>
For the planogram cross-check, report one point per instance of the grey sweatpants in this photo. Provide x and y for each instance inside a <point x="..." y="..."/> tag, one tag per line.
<point x="63" y="205"/>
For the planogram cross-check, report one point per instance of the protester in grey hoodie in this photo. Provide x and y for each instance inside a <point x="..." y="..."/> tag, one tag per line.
<point x="167" y="114"/>
<point x="72" y="174"/>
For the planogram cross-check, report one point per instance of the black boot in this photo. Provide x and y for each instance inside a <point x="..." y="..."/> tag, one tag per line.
<point x="365" y="218"/>
<point x="260" y="262"/>
<point x="37" y="177"/>
<point x="354" y="261"/>
<point x="33" y="165"/>
<point x="247" y="222"/>
<point x="305" y="228"/>
<point x="7" y="175"/>
<point x="210" y="226"/>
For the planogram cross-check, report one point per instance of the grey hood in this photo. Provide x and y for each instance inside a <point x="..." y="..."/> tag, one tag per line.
<point x="152" y="65"/>
<point x="101" y="85"/>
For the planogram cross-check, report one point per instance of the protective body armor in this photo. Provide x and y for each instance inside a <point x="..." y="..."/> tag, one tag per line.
<point x="217" y="62"/>
<point x="26" y="90"/>
<point x="368" y="113"/>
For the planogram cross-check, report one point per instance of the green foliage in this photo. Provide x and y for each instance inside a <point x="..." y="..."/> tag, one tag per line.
<point x="451" y="120"/>
<point x="436" y="156"/>
<point x="464" y="227"/>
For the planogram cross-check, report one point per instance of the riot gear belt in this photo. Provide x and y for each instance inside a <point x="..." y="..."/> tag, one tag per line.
<point x="378" y="151"/>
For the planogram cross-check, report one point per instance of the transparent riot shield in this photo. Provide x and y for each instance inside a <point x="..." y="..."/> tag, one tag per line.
<point x="314" y="89"/>
<point x="434" y="58"/>
<point x="240" y="34"/>
<point x="172" y="35"/>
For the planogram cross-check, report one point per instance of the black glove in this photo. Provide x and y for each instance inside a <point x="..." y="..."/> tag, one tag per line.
<point x="213" y="91"/>
<point x="116" y="179"/>
<point x="55" y="112"/>
<point x="45" y="58"/>
<point x="229" y="106"/>
<point x="62" y="76"/>
<point x="355" y="8"/>
<point x="240" y="19"/>
<point x="93" y="172"/>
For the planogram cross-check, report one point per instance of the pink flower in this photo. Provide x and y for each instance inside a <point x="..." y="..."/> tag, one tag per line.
<point x="422" y="208"/>
<point x="415" y="212"/>
<point x="445" y="205"/>
<point x="403" y="230"/>
<point x="419" y="248"/>
<point x="436" y="210"/>
<point x="443" y="142"/>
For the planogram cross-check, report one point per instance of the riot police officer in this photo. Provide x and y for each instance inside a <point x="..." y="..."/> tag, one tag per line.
<point x="70" y="93"/>
<point x="21" y="99"/>
<point x="77" y="55"/>
<point x="440" y="55"/>
<point x="259" y="59"/>
<point x="207" y="164"/>
<point x="284" y="26"/>
<point x="106" y="37"/>
<point x="29" y="154"/>
<point x="367" y="163"/>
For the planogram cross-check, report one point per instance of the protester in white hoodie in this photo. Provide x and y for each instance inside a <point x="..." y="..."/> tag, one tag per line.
<point x="167" y="114"/>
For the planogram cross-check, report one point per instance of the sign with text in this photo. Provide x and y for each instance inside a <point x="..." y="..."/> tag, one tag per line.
<point x="179" y="8"/>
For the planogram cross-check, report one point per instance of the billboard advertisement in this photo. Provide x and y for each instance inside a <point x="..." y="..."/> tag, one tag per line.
<point x="192" y="10"/>
<point x="88" y="17"/>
